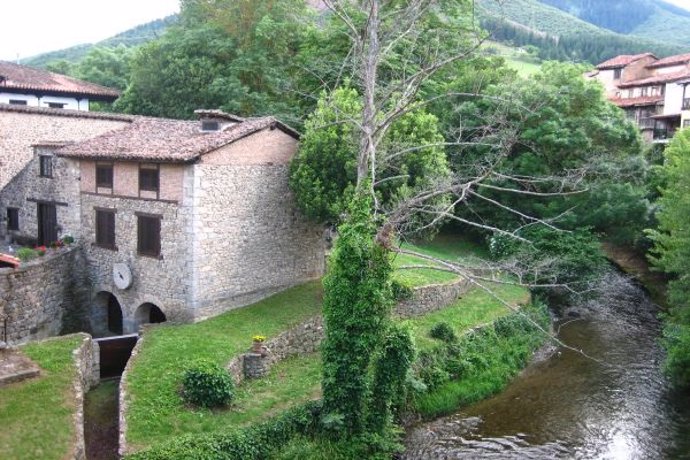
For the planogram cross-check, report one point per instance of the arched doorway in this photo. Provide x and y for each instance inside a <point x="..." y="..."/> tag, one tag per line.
<point x="149" y="313"/>
<point x="106" y="315"/>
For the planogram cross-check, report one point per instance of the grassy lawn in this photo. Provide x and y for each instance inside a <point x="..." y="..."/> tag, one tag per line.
<point x="445" y="246"/>
<point x="515" y="59"/>
<point x="37" y="414"/>
<point x="156" y="411"/>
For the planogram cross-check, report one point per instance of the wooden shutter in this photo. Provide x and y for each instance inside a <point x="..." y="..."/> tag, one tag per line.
<point x="149" y="235"/>
<point x="105" y="228"/>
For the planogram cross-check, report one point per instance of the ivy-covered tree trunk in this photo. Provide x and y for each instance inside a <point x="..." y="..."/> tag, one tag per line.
<point x="357" y="301"/>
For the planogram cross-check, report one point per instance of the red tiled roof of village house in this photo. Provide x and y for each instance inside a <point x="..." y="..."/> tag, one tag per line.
<point x="671" y="60"/>
<point x="65" y="112"/>
<point x="657" y="79"/>
<point x="622" y="60"/>
<point x="164" y="140"/>
<point x="21" y="77"/>
<point x="637" y="101"/>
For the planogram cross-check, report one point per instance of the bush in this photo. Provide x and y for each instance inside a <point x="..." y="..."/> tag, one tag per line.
<point x="26" y="254"/>
<point x="443" y="331"/>
<point x="401" y="291"/>
<point x="206" y="384"/>
<point x="68" y="239"/>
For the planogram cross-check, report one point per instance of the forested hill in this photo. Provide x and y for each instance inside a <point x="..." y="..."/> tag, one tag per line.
<point x="563" y="36"/>
<point x="132" y="37"/>
<point x="652" y="19"/>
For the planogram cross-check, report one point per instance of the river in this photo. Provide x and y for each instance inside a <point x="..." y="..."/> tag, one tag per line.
<point x="613" y="403"/>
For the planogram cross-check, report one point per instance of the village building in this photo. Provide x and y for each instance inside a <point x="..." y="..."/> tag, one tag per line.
<point x="652" y="91"/>
<point x="23" y="85"/>
<point x="173" y="220"/>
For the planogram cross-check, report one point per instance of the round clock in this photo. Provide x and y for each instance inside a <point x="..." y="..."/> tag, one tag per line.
<point x="122" y="276"/>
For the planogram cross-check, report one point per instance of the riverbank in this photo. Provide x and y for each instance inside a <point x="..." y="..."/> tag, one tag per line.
<point x="633" y="263"/>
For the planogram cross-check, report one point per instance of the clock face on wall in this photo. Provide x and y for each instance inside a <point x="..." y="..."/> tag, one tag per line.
<point x="122" y="276"/>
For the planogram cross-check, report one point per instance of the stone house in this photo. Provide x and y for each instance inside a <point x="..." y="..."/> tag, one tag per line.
<point x="176" y="220"/>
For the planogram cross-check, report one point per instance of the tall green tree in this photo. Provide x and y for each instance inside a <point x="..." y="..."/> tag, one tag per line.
<point x="671" y="253"/>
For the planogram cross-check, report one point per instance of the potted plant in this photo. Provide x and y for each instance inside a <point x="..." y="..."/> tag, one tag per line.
<point x="258" y="343"/>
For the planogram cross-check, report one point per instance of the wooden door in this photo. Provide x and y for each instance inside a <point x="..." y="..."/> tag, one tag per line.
<point x="47" y="224"/>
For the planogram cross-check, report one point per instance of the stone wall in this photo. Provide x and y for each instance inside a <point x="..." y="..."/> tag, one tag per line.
<point x="21" y="128"/>
<point x="249" y="240"/>
<point x="160" y="281"/>
<point x="28" y="188"/>
<point x="36" y="297"/>
<point x="306" y="338"/>
<point x="430" y="298"/>
<point x="86" y="360"/>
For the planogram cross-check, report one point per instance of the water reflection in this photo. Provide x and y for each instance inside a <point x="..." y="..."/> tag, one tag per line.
<point x="614" y="406"/>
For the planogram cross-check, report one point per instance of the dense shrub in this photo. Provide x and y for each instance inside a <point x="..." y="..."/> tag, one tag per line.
<point x="444" y="332"/>
<point x="207" y="384"/>
<point x="401" y="291"/>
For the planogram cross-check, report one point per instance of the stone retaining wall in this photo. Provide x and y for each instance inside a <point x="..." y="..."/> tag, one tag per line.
<point x="86" y="360"/>
<point x="123" y="393"/>
<point x="430" y="298"/>
<point x="306" y="338"/>
<point x="37" y="296"/>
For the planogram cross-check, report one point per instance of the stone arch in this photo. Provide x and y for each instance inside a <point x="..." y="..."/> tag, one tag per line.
<point x="106" y="315"/>
<point x="149" y="313"/>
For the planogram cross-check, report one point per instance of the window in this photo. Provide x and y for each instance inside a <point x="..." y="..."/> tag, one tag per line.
<point x="210" y="126"/>
<point x="12" y="219"/>
<point x="105" y="228"/>
<point x="643" y="91"/>
<point x="686" y="123"/>
<point x="149" y="235"/>
<point x="45" y="165"/>
<point x="148" y="178"/>
<point x="617" y="74"/>
<point x="104" y="175"/>
<point x="18" y="102"/>
<point x="56" y="105"/>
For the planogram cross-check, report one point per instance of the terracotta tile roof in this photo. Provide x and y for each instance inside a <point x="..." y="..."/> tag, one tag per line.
<point x="65" y="112"/>
<point x="671" y="60"/>
<point x="637" y="101"/>
<point x="657" y="79"/>
<point x="163" y="140"/>
<point x="622" y="60"/>
<point x="20" y="77"/>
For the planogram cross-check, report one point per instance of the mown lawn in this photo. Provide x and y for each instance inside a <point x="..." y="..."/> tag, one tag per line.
<point x="36" y="416"/>
<point x="156" y="412"/>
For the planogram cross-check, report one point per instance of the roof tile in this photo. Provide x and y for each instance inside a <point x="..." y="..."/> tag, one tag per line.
<point x="622" y="60"/>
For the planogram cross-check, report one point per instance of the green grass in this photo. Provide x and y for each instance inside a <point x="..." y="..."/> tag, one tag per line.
<point x="156" y="411"/>
<point x="445" y="246"/>
<point x="472" y="309"/>
<point x="37" y="414"/>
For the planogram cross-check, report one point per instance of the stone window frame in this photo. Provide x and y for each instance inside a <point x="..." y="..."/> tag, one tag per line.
<point x="103" y="166"/>
<point x="45" y="165"/>
<point x="12" y="219"/>
<point x="145" y="169"/>
<point x="152" y="250"/>
<point x="102" y="241"/>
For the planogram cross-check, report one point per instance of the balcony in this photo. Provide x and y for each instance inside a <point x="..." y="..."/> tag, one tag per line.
<point x="686" y="104"/>
<point x="662" y="134"/>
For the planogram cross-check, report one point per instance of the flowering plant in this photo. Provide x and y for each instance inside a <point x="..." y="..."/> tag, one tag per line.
<point x="41" y="250"/>
<point x="259" y="338"/>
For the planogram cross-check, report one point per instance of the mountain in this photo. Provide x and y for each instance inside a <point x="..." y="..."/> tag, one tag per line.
<point x="562" y="35"/>
<point x="651" y="19"/>
<point x="132" y="37"/>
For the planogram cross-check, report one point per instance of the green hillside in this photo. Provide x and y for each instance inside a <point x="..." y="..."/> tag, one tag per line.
<point x="650" y="19"/>
<point x="132" y="37"/>
<point x="562" y="36"/>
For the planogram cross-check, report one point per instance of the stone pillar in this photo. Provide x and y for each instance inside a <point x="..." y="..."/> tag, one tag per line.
<point x="256" y="365"/>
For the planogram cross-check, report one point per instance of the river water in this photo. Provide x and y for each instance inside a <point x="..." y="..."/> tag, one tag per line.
<point x="611" y="404"/>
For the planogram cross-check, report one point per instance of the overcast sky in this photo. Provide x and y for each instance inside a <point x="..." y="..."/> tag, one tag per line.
<point x="32" y="27"/>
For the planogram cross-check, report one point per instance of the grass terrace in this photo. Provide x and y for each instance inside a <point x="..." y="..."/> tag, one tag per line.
<point x="156" y="412"/>
<point x="37" y="414"/>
